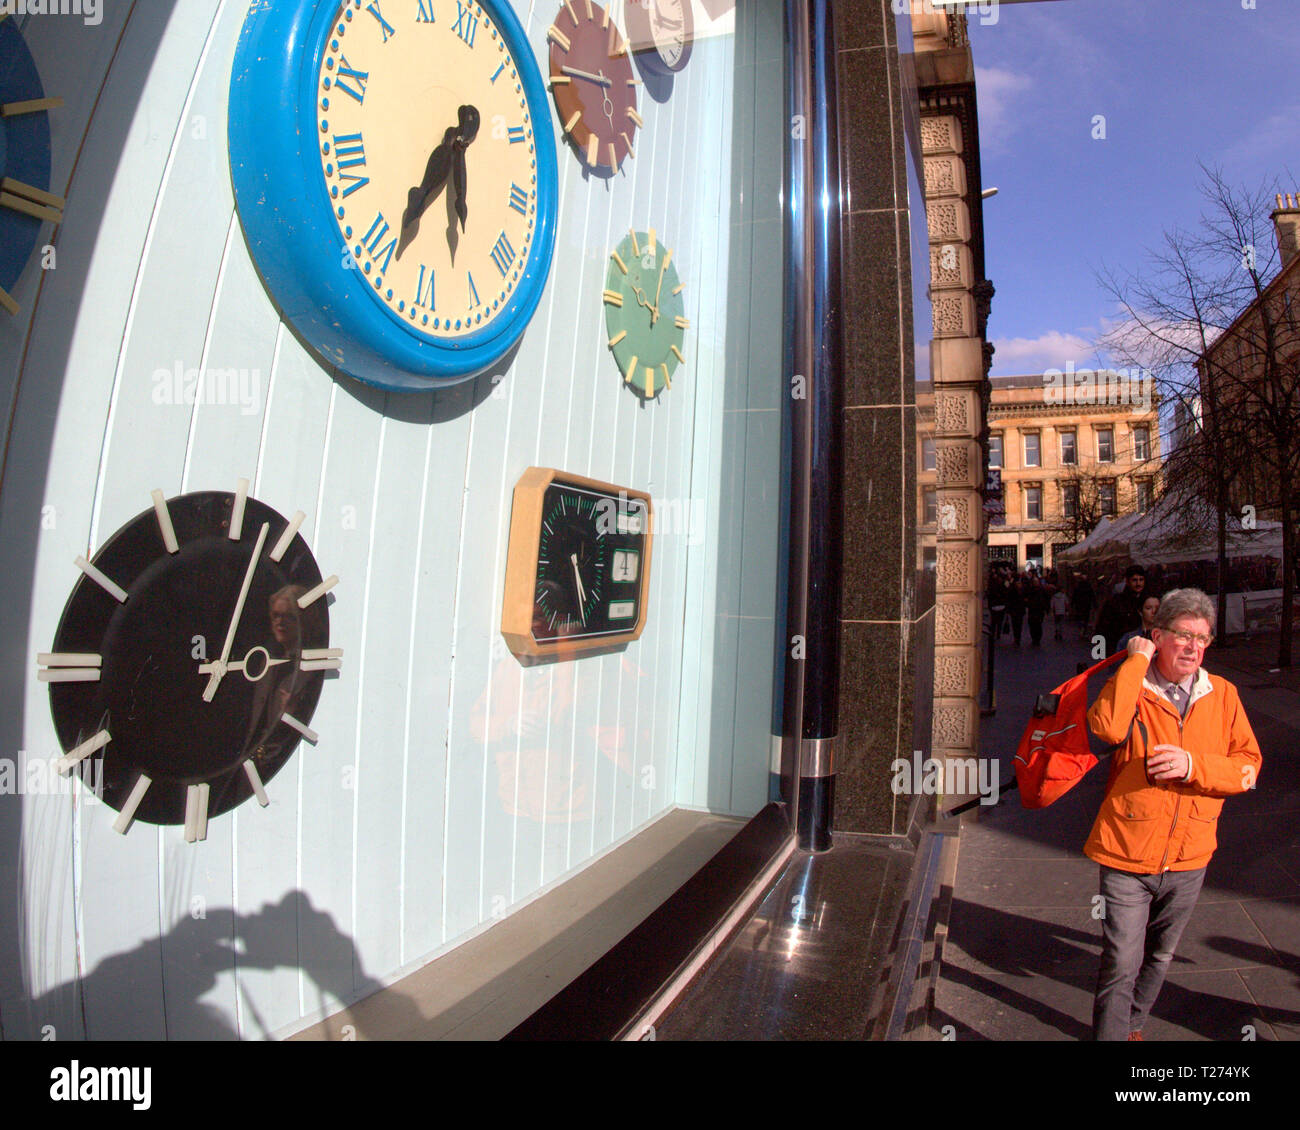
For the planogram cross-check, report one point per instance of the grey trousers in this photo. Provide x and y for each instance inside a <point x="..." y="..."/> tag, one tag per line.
<point x="1143" y="919"/>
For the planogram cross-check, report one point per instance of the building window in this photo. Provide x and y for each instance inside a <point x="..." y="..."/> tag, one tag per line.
<point x="1141" y="445"/>
<point x="1105" y="445"/>
<point x="1033" y="504"/>
<point x="927" y="453"/>
<point x="1106" y="498"/>
<point x="1069" y="453"/>
<point x="995" y="449"/>
<point x="1031" y="450"/>
<point x="929" y="495"/>
<point x="1145" y="495"/>
<point x="1034" y="556"/>
<point x="1070" y="501"/>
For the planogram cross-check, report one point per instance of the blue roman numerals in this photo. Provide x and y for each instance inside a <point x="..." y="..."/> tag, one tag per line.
<point x="466" y="24"/>
<point x="473" y="290"/>
<point x="424" y="295"/>
<point x="516" y="134"/>
<point x="425" y="14"/>
<point x="374" y="241"/>
<point x="384" y="25"/>
<point x="518" y="199"/>
<point x="358" y="77"/>
<point x="350" y="153"/>
<point x="503" y="255"/>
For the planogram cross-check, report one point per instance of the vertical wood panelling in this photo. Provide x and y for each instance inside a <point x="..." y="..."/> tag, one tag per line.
<point x="269" y="896"/>
<point x="77" y="335"/>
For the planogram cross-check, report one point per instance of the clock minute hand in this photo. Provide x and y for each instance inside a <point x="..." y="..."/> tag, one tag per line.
<point x="219" y="668"/>
<point x="582" y="596"/>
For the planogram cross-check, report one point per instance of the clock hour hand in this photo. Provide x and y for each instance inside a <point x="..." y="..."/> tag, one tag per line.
<point x="219" y="667"/>
<point x="440" y="166"/>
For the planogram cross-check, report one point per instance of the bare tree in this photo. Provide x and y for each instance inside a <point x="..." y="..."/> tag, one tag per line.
<point x="1206" y="320"/>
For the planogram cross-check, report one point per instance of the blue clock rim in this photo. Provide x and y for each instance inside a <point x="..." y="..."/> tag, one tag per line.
<point x="275" y="168"/>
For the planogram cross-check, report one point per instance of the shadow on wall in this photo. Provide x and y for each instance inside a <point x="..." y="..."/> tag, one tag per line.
<point x="195" y="952"/>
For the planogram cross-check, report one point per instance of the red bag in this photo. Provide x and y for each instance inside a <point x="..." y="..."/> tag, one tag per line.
<point x="1055" y="753"/>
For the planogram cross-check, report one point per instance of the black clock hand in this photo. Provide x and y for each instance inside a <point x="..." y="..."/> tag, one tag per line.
<point x="440" y="166"/>
<point x="458" y="181"/>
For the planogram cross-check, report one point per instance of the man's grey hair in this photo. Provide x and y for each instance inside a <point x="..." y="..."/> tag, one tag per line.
<point x="1178" y="603"/>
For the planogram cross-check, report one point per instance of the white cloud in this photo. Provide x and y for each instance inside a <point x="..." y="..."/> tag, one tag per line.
<point x="1273" y="137"/>
<point x="1050" y="350"/>
<point x="998" y="91"/>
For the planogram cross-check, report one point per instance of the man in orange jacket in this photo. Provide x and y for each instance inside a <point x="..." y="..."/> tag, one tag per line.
<point x="1187" y="745"/>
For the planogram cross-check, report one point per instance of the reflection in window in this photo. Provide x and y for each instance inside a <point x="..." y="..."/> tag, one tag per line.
<point x="1033" y="504"/>
<point x="927" y="453"/>
<point x="1145" y="494"/>
<point x="1069" y="453"/>
<point x="1141" y="445"/>
<point x="929" y="495"/>
<point x="995" y="449"/>
<point x="1070" y="501"/>
<point x="1106" y="498"/>
<point x="1105" y="445"/>
<point x="1031" y="450"/>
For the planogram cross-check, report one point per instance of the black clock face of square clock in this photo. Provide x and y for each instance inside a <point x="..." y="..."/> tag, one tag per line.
<point x="590" y="558"/>
<point x="155" y="692"/>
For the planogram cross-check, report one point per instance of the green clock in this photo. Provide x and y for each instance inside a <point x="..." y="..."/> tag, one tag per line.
<point x="578" y="565"/>
<point x="645" y="314"/>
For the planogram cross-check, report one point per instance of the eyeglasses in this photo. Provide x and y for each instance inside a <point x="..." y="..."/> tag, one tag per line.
<point x="1191" y="637"/>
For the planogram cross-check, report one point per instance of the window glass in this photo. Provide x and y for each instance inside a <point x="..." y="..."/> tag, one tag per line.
<point x="995" y="449"/>
<point x="1031" y="449"/>
<point x="1105" y="445"/>
<point x="1069" y="455"/>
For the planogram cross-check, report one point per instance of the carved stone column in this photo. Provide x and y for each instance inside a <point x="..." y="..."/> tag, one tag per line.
<point x="957" y="366"/>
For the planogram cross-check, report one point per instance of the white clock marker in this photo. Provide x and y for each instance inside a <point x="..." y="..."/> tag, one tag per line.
<point x="286" y="538"/>
<point x="319" y="591"/>
<point x="78" y="753"/>
<point x="123" y="822"/>
<point x="165" y="522"/>
<point x="302" y="728"/>
<point x="116" y="591"/>
<point x="253" y="779"/>
<point x="237" y="511"/>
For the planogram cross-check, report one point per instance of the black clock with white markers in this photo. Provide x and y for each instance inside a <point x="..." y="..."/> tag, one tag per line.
<point x="189" y="658"/>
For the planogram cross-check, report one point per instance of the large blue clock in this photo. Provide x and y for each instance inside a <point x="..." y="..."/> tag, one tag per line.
<point x="395" y="173"/>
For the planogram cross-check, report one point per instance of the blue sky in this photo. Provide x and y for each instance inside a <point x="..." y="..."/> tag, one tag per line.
<point x="1178" y="81"/>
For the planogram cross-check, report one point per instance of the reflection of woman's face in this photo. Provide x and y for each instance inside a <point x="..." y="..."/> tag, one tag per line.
<point x="1150" y="607"/>
<point x="284" y="622"/>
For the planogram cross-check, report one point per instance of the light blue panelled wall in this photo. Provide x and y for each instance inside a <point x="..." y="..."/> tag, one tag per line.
<point x="449" y="785"/>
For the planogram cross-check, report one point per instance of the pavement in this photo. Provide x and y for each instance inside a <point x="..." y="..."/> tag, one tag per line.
<point x="1016" y="944"/>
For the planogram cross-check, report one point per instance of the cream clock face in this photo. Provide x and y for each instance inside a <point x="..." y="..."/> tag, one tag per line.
<point x="427" y="153"/>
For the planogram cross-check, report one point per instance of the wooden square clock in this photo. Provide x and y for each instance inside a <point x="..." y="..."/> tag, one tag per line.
<point x="578" y="565"/>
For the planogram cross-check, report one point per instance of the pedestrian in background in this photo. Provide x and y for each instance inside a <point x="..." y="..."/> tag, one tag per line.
<point x="1187" y="744"/>
<point x="1059" y="611"/>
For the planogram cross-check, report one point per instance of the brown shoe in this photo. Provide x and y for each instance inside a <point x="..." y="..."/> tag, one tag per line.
<point x="1135" y="1036"/>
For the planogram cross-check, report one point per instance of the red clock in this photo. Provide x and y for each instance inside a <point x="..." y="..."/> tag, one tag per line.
<point x="593" y="85"/>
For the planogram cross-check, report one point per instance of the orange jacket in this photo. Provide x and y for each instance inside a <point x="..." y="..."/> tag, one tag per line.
<point x="1170" y="826"/>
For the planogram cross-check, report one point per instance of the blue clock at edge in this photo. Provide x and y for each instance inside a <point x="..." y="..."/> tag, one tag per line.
<point x="395" y="173"/>
<point x="24" y="150"/>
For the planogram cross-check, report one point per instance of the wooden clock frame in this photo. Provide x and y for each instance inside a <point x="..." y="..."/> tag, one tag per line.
<point x="517" y="607"/>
